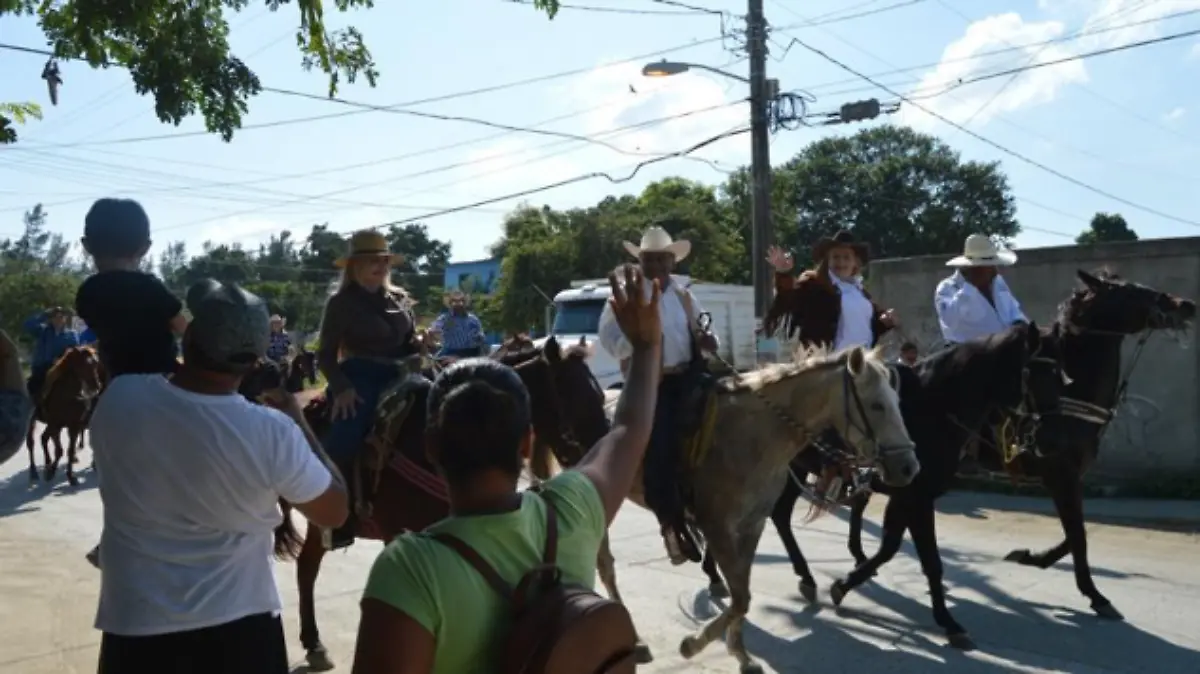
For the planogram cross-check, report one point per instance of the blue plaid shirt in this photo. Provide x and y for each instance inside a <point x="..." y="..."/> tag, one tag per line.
<point x="48" y="345"/>
<point x="277" y="350"/>
<point x="459" y="332"/>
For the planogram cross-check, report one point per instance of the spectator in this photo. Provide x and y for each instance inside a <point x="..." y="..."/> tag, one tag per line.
<point x="132" y="317"/>
<point x="281" y="342"/>
<point x="190" y="474"/>
<point x="425" y="609"/>
<point x="16" y="410"/>
<point x="909" y="353"/>
<point x="461" y="331"/>
<point x="51" y="339"/>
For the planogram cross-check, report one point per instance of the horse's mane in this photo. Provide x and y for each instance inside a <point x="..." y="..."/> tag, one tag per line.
<point x="807" y="359"/>
<point x="60" y="365"/>
<point x="960" y="358"/>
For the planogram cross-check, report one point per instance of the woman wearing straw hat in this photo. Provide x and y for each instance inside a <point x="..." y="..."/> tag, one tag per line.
<point x="827" y="306"/>
<point x="366" y="330"/>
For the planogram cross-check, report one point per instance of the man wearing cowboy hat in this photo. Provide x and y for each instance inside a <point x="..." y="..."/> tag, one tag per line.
<point x="52" y="336"/>
<point x="975" y="301"/>
<point x="683" y="346"/>
<point x="461" y="331"/>
<point x="281" y="342"/>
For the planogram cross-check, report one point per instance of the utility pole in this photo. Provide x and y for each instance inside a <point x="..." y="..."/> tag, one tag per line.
<point x="761" y="233"/>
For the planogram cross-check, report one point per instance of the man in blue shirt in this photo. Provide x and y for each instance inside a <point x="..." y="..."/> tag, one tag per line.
<point x="461" y="330"/>
<point x="52" y="336"/>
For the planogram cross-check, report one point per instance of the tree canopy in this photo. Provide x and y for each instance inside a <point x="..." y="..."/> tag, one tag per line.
<point x="1105" y="228"/>
<point x="179" y="52"/>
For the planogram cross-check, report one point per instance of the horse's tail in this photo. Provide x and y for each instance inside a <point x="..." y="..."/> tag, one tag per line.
<point x="288" y="540"/>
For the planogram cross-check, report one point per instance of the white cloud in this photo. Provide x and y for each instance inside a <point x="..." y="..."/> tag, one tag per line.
<point x="1174" y="115"/>
<point x="1110" y="13"/>
<point x="616" y="98"/>
<point x="975" y="102"/>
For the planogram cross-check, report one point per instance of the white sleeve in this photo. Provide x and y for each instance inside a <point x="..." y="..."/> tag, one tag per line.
<point x="1014" y="312"/>
<point x="611" y="338"/>
<point x="296" y="473"/>
<point x="949" y="301"/>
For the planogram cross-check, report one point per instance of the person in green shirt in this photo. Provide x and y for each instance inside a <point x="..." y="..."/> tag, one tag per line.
<point x="425" y="609"/>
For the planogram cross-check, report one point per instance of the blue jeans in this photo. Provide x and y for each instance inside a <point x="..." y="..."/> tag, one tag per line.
<point x="345" y="437"/>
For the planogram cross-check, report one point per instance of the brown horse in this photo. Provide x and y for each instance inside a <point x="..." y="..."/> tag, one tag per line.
<point x="407" y="494"/>
<point x="66" y="402"/>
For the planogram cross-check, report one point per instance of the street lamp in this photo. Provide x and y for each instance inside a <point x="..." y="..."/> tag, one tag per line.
<point x="666" y="68"/>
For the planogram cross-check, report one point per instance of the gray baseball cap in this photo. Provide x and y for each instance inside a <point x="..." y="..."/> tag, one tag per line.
<point x="230" y="326"/>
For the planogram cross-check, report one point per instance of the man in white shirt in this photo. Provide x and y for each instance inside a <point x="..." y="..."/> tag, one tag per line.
<point x="683" y="346"/>
<point x="975" y="301"/>
<point x="190" y="474"/>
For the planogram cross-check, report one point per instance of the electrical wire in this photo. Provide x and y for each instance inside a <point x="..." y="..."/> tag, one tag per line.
<point x="689" y="11"/>
<point x="987" y="141"/>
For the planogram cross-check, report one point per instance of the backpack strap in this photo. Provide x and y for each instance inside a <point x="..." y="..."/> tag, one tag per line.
<point x="472" y="557"/>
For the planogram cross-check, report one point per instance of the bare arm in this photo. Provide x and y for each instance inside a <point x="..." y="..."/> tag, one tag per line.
<point x="390" y="642"/>
<point x="613" y="462"/>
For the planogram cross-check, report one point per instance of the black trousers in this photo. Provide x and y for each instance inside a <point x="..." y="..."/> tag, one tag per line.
<point x="252" y="645"/>
<point x="662" y="455"/>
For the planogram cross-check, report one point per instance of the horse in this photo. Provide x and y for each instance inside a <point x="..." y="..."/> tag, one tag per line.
<point x="1092" y="325"/>
<point x="66" y="401"/>
<point x="760" y="417"/>
<point x="405" y="493"/>
<point x="301" y="366"/>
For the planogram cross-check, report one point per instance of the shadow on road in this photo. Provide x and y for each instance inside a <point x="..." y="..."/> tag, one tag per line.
<point x="19" y="496"/>
<point x="1166" y="516"/>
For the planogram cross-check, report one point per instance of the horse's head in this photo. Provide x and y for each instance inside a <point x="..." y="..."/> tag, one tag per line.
<point x="866" y="411"/>
<point x="83" y="363"/>
<point x="580" y="392"/>
<point x="516" y="344"/>
<point x="302" y="367"/>
<point x="1109" y="304"/>
<point x="266" y="375"/>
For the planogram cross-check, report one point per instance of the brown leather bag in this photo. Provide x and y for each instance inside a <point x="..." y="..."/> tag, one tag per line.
<point x="556" y="628"/>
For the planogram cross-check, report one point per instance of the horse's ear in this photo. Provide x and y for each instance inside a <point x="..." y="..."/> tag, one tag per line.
<point x="1089" y="280"/>
<point x="856" y="361"/>
<point x="552" y="351"/>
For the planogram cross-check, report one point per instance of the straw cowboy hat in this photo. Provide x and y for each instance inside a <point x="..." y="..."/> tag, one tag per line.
<point x="980" y="251"/>
<point x="843" y="239"/>
<point x="368" y="243"/>
<point x="657" y="240"/>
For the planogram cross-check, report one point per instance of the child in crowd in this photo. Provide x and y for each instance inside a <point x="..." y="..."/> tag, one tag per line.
<point x="134" y="317"/>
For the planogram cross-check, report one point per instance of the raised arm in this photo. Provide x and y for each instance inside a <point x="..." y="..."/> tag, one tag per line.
<point x="613" y="462"/>
<point x="35" y="323"/>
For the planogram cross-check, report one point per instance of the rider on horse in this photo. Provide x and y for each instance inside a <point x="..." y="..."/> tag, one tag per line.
<point x="683" y="346"/>
<point x="366" y="332"/>
<point x="974" y="302"/>
<point x="52" y="336"/>
<point x="281" y="342"/>
<point x="461" y="331"/>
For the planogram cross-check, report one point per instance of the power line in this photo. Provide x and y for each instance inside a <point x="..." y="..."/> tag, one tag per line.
<point x="624" y="10"/>
<point x="994" y="144"/>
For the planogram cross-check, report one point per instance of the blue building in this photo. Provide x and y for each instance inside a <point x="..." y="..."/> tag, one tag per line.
<point x="475" y="277"/>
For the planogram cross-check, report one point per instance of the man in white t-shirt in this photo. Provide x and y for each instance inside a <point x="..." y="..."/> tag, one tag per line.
<point x="190" y="474"/>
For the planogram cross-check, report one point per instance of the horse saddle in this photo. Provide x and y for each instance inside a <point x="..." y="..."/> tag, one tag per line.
<point x="395" y="406"/>
<point x="697" y="414"/>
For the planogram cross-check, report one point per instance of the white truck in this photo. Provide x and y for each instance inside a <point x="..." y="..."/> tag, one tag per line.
<point x="577" y="316"/>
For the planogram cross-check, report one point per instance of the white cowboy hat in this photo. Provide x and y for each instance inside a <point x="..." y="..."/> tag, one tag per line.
<point x="980" y="251"/>
<point x="657" y="240"/>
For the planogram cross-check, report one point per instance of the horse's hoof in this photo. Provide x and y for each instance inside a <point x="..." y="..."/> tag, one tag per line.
<point x="33" y="476"/>
<point x="837" y="592"/>
<point x="718" y="590"/>
<point x="690" y="647"/>
<point x="1108" y="612"/>
<point x="962" y="641"/>
<point x="808" y="590"/>
<point x="1019" y="557"/>
<point x="752" y="668"/>
<point x="74" y="481"/>
<point x="318" y="660"/>
<point x="642" y="654"/>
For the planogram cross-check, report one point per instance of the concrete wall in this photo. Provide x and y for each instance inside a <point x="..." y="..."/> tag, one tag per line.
<point x="1157" y="431"/>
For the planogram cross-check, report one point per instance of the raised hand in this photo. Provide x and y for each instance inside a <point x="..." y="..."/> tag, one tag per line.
<point x="779" y="259"/>
<point x="635" y="309"/>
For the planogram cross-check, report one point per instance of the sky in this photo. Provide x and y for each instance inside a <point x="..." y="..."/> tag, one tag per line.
<point x="1115" y="133"/>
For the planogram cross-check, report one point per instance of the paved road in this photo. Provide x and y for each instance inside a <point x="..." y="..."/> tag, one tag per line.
<point x="1025" y="620"/>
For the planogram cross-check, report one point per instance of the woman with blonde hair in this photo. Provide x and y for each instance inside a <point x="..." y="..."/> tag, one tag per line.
<point x="367" y="329"/>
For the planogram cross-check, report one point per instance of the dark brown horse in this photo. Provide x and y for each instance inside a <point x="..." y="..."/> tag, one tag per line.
<point x="67" y="398"/>
<point x="408" y="494"/>
<point x="1087" y="335"/>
